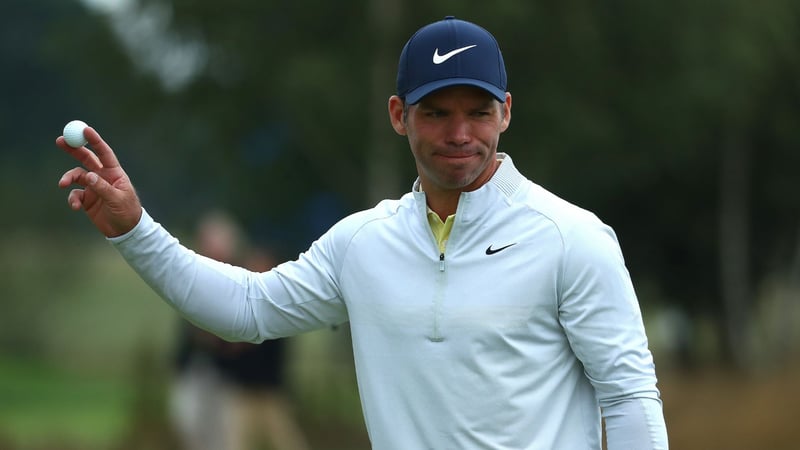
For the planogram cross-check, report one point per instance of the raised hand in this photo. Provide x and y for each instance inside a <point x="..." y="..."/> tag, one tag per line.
<point x="106" y="194"/>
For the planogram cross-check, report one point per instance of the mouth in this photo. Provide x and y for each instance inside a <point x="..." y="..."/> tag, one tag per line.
<point x="456" y="155"/>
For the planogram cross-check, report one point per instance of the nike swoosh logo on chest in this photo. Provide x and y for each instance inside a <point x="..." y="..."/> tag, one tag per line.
<point x="492" y="251"/>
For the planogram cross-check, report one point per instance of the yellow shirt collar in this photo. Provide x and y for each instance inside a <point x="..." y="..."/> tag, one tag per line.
<point x="441" y="230"/>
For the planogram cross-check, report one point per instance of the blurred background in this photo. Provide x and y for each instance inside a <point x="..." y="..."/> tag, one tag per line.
<point x="677" y="123"/>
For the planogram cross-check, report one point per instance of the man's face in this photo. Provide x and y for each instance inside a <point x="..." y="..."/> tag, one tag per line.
<point x="453" y="134"/>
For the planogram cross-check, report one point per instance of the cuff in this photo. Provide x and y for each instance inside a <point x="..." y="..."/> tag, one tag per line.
<point x="145" y="222"/>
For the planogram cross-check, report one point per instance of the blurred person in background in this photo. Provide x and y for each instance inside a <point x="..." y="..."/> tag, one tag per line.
<point x="485" y="311"/>
<point x="230" y="395"/>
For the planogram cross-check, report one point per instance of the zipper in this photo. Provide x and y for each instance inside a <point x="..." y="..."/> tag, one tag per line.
<point x="436" y="335"/>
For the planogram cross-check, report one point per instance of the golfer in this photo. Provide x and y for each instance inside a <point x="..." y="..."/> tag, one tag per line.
<point x="486" y="312"/>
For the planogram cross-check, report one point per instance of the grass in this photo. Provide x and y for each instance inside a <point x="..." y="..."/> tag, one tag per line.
<point x="86" y="348"/>
<point x="43" y="405"/>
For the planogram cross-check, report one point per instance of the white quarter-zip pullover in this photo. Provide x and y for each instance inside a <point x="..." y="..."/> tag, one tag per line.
<point x="514" y="337"/>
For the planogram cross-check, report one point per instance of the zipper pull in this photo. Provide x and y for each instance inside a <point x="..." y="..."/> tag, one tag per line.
<point x="441" y="262"/>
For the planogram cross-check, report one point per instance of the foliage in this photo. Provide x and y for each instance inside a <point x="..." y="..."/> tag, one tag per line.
<point x="624" y="107"/>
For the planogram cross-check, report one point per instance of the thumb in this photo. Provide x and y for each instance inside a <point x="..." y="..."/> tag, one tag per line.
<point x="100" y="186"/>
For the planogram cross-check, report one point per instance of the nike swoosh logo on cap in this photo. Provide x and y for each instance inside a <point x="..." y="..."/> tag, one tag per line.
<point x="438" y="59"/>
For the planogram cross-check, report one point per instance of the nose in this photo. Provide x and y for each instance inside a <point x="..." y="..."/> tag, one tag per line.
<point x="458" y="131"/>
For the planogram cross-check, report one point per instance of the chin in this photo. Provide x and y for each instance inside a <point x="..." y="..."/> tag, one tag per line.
<point x="459" y="183"/>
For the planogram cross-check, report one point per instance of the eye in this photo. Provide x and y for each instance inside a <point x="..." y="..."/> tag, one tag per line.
<point x="435" y="113"/>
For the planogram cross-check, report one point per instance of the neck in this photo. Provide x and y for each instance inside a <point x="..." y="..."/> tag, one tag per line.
<point x="443" y="205"/>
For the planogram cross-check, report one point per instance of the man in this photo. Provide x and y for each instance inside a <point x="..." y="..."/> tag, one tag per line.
<point x="230" y="395"/>
<point x="485" y="311"/>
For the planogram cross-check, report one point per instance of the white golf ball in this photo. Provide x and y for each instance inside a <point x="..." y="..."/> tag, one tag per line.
<point x="73" y="133"/>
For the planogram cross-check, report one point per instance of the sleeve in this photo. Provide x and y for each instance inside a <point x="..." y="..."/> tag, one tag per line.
<point x="602" y="320"/>
<point x="230" y="301"/>
<point x="636" y="423"/>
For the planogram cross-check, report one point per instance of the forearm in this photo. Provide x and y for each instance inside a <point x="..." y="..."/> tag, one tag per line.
<point x="209" y="293"/>
<point x="635" y="424"/>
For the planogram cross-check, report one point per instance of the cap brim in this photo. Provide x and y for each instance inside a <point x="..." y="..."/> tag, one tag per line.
<point x="415" y="95"/>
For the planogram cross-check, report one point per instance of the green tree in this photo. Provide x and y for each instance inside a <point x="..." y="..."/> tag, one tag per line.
<point x="674" y="122"/>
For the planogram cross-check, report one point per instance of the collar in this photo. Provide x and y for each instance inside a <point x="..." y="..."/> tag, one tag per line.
<point x="505" y="181"/>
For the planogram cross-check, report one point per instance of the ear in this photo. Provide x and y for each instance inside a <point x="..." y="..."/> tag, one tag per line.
<point x="506" y="113"/>
<point x="396" y="115"/>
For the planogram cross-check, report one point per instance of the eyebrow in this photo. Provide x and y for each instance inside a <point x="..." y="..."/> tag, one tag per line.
<point x="423" y="104"/>
<point x="489" y="103"/>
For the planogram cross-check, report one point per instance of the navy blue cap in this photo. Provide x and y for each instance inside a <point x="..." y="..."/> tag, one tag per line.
<point x="447" y="53"/>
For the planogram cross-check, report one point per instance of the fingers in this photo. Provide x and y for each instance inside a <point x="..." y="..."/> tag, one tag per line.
<point x="72" y="176"/>
<point x="81" y="177"/>
<point x="107" y="157"/>
<point x="98" y="157"/>
<point x="75" y="199"/>
<point x="82" y="154"/>
<point x="86" y="179"/>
